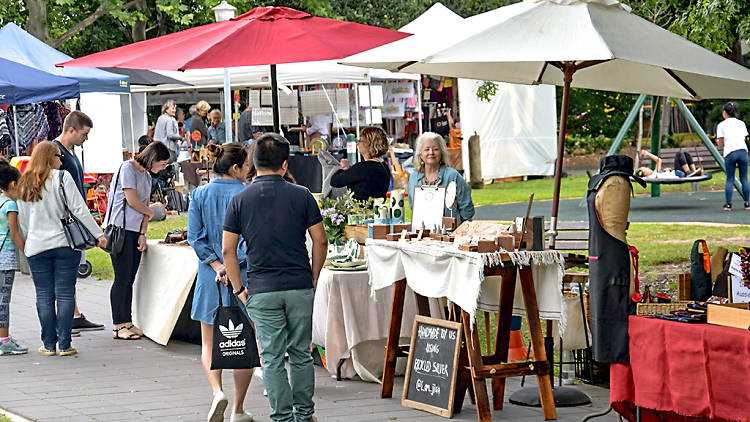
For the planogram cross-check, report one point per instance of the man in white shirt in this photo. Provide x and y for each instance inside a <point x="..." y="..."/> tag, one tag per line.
<point x="317" y="127"/>
<point x="731" y="135"/>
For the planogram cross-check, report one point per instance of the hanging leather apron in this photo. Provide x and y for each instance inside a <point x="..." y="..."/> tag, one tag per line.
<point x="609" y="283"/>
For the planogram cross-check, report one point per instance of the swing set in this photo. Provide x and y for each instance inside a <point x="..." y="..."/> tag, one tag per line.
<point x="656" y="142"/>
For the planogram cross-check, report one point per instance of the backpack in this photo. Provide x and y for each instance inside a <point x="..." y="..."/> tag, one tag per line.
<point x="700" y="272"/>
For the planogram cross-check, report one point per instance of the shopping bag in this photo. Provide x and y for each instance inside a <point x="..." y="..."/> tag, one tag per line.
<point x="234" y="344"/>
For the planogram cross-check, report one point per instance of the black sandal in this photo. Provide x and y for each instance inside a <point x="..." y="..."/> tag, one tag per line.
<point x="131" y="326"/>
<point x="116" y="336"/>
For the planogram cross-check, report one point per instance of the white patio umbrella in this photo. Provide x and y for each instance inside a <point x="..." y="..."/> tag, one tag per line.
<point x="594" y="44"/>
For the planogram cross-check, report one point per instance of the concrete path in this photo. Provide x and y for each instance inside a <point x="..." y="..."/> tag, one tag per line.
<point x="702" y="207"/>
<point x="113" y="380"/>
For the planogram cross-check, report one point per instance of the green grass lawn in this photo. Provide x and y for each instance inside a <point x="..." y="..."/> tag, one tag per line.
<point x="4" y="418"/>
<point x="100" y="262"/>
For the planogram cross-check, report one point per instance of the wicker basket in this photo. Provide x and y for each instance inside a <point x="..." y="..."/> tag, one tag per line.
<point x="651" y="309"/>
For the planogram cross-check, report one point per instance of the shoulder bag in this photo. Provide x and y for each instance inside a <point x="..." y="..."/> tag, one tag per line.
<point x="116" y="235"/>
<point x="78" y="236"/>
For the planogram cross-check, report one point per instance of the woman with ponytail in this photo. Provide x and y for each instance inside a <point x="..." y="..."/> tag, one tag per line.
<point x="205" y="223"/>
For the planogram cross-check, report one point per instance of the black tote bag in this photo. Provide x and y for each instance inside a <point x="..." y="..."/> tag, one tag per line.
<point x="234" y="344"/>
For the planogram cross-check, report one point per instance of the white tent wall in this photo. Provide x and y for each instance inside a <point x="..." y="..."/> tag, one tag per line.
<point x="140" y="119"/>
<point x="517" y="129"/>
<point x="103" y="149"/>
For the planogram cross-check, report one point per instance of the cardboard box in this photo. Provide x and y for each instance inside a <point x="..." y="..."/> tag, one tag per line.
<point x="729" y="315"/>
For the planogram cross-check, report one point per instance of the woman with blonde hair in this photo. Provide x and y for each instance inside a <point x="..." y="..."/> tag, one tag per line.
<point x="44" y="191"/>
<point x="432" y="168"/>
<point x="369" y="178"/>
<point x="198" y="125"/>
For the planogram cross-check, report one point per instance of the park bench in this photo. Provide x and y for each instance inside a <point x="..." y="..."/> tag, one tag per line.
<point x="573" y="238"/>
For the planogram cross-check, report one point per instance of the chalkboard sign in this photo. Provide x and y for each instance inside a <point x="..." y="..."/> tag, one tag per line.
<point x="431" y="372"/>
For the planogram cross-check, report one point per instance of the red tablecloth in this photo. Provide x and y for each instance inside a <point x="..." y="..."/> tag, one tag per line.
<point x="683" y="372"/>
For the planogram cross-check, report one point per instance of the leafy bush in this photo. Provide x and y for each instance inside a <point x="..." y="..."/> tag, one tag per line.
<point x="586" y="144"/>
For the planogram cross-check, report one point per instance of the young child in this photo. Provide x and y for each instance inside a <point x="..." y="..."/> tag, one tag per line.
<point x="10" y="238"/>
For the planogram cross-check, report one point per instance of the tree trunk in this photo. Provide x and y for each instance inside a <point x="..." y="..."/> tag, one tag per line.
<point x="37" y="22"/>
<point x="139" y="28"/>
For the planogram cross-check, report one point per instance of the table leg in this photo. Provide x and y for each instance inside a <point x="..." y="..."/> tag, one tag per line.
<point x="502" y="332"/>
<point x="394" y="332"/>
<point x="537" y="342"/>
<point x="423" y="304"/>
<point x="474" y="352"/>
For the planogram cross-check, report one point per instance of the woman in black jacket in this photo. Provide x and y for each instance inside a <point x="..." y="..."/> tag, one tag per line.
<point x="369" y="178"/>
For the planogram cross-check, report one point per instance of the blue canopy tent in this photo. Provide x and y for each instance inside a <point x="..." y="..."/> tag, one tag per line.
<point x="21" y="47"/>
<point x="21" y="84"/>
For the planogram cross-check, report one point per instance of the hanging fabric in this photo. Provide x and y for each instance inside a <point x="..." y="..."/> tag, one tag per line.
<point x="32" y="125"/>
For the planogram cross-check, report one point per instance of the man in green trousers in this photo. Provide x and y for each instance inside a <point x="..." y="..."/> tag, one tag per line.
<point x="272" y="215"/>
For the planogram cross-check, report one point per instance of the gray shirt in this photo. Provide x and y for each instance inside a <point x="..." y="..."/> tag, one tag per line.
<point x="167" y="132"/>
<point x="130" y="178"/>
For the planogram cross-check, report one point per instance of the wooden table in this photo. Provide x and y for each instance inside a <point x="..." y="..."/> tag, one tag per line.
<point x="474" y="368"/>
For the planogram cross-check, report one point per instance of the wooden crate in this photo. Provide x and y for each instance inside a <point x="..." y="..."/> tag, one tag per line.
<point x="729" y="315"/>
<point x="651" y="309"/>
<point x="358" y="232"/>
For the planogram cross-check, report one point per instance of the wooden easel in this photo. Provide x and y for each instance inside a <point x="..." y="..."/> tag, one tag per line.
<point x="473" y="368"/>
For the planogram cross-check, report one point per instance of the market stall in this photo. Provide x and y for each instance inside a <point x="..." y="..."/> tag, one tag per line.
<point x="440" y="269"/>
<point x="683" y="372"/>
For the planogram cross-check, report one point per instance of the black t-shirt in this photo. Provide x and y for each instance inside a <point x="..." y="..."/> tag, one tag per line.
<point x="367" y="179"/>
<point x="273" y="215"/>
<point x="71" y="164"/>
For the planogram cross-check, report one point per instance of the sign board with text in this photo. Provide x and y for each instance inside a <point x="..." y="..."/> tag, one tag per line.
<point x="431" y="372"/>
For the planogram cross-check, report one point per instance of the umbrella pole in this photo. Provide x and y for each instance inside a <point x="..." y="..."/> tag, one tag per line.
<point x="568" y="70"/>
<point x="275" y="99"/>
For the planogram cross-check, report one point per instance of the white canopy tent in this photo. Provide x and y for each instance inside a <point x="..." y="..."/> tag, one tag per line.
<point x="517" y="128"/>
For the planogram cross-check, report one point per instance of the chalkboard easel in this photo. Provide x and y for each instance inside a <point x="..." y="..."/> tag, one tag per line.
<point x="431" y="372"/>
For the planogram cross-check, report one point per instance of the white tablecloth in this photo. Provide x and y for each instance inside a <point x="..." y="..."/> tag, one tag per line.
<point x="349" y="322"/>
<point x="438" y="269"/>
<point x="161" y="288"/>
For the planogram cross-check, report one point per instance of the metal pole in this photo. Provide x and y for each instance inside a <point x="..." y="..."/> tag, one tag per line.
<point x="227" y="107"/>
<point x="356" y="103"/>
<point x="626" y="125"/>
<point x="132" y="132"/>
<point x="655" y="138"/>
<point x="369" y="95"/>
<point x="275" y="99"/>
<point x="706" y="141"/>
<point x="640" y="139"/>
<point x="419" y="103"/>
<point x="15" y="127"/>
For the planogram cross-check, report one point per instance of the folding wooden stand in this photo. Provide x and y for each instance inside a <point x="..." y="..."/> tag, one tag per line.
<point x="474" y="368"/>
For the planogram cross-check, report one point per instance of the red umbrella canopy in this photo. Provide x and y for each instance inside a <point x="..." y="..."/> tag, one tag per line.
<point x="262" y="36"/>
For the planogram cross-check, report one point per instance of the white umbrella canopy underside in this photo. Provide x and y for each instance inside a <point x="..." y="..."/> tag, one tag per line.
<point x="518" y="43"/>
<point x="432" y="30"/>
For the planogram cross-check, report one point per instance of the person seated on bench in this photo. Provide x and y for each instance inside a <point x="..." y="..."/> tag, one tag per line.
<point x="683" y="162"/>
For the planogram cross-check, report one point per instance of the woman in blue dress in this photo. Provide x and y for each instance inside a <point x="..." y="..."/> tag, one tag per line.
<point x="205" y="223"/>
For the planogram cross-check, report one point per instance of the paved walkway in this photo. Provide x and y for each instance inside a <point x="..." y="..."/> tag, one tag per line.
<point x="704" y="207"/>
<point x="141" y="381"/>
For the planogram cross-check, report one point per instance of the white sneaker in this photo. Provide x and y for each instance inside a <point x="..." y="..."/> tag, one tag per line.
<point x="241" y="417"/>
<point x="265" y="392"/>
<point x="218" y="406"/>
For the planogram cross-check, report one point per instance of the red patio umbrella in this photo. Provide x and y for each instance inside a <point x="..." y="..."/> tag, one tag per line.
<point x="262" y="36"/>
